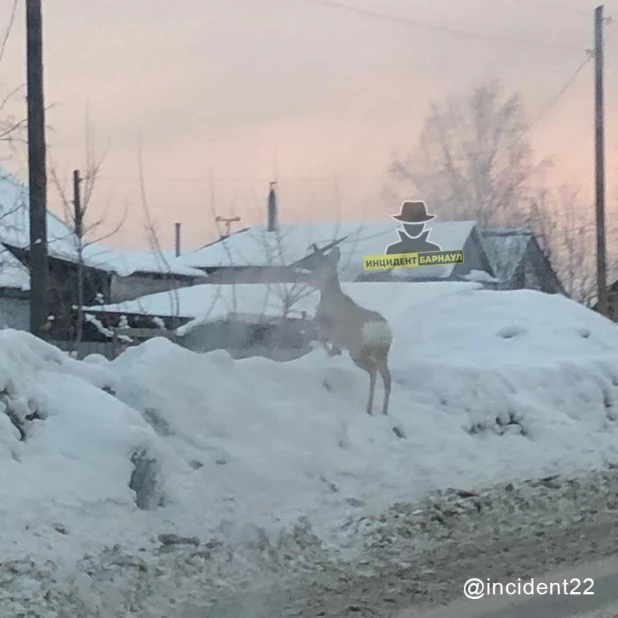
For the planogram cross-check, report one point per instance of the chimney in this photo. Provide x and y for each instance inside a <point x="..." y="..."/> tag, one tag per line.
<point x="177" y="239"/>
<point x="272" y="225"/>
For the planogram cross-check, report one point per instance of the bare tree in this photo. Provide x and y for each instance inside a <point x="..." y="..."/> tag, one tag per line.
<point x="153" y="238"/>
<point x="473" y="160"/>
<point x="278" y="257"/>
<point x="564" y="224"/>
<point x="12" y="126"/>
<point x="12" y="135"/>
<point x="87" y="230"/>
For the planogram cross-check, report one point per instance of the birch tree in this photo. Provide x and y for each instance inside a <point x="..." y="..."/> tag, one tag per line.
<point x="473" y="160"/>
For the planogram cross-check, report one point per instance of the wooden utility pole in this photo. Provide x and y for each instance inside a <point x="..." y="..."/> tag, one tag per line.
<point x="77" y="205"/>
<point x="599" y="141"/>
<point x="177" y="239"/>
<point x="78" y="216"/>
<point x="228" y="222"/>
<point x="37" y="175"/>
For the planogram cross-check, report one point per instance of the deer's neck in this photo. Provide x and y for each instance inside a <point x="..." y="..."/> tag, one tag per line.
<point x="330" y="291"/>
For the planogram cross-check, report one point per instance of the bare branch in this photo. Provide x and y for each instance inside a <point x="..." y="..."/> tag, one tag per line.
<point x="473" y="160"/>
<point x="153" y="236"/>
<point x="8" y="29"/>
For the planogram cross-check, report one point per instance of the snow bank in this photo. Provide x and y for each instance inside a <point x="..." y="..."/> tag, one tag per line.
<point x="69" y="450"/>
<point x="487" y="386"/>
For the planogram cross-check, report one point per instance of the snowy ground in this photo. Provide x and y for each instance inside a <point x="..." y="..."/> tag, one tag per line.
<point x="275" y="467"/>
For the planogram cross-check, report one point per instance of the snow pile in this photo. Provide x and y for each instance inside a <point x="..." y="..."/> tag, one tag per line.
<point x="486" y="386"/>
<point x="70" y="451"/>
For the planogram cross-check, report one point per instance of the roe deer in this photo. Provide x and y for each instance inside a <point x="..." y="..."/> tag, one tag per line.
<point x="365" y="334"/>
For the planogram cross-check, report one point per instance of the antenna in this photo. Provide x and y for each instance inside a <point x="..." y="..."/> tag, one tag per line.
<point x="228" y="222"/>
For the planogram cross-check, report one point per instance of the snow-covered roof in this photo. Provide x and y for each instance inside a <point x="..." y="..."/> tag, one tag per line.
<point x="292" y="242"/>
<point x="63" y="244"/>
<point x="216" y="301"/>
<point x="127" y="262"/>
<point x="13" y="274"/>
<point x="505" y="249"/>
<point x="15" y="220"/>
<point x="213" y="302"/>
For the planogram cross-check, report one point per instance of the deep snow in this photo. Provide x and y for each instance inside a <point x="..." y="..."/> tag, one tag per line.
<point x="487" y="386"/>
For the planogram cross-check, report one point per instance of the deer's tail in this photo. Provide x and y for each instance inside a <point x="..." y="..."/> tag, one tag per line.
<point x="378" y="335"/>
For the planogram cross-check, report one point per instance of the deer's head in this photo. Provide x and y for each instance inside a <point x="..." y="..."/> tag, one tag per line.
<point x="322" y="268"/>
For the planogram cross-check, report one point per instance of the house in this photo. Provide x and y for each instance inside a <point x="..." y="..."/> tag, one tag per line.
<point x="14" y="292"/>
<point x="518" y="261"/>
<point x="15" y="243"/>
<point x="107" y="274"/>
<point x="253" y="319"/>
<point x="257" y="255"/>
<point x="245" y="319"/>
<point x="135" y="273"/>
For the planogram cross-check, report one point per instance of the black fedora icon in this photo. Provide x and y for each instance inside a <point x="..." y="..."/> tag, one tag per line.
<point x="413" y="212"/>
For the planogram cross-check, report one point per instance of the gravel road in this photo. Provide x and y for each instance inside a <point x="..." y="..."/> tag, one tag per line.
<point x="419" y="556"/>
<point x="413" y="559"/>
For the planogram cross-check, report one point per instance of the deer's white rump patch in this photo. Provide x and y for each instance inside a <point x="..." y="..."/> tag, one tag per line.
<point x="377" y="332"/>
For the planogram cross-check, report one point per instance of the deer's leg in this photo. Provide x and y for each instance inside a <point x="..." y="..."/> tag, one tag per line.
<point x="364" y="361"/>
<point x="323" y="338"/>
<point x="324" y="344"/>
<point x="372" y="389"/>
<point x="331" y="350"/>
<point x="386" y="380"/>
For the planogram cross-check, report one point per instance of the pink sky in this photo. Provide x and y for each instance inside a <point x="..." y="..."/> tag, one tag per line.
<point x="237" y="90"/>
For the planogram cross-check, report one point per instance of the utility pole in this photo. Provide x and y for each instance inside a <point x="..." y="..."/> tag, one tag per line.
<point x="177" y="239"/>
<point x="228" y="222"/>
<point x="599" y="141"/>
<point x="77" y="205"/>
<point x="37" y="175"/>
<point x="78" y="216"/>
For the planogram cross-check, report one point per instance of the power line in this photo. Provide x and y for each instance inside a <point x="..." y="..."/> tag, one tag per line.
<point x="453" y="31"/>
<point x="555" y="5"/>
<point x="552" y="103"/>
<point x="263" y="179"/>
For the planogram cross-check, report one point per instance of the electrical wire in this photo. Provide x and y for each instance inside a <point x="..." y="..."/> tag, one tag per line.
<point x="437" y="27"/>
<point x="553" y="102"/>
<point x="555" y="5"/>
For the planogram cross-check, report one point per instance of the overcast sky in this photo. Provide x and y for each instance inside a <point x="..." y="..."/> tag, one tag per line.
<point x="246" y="89"/>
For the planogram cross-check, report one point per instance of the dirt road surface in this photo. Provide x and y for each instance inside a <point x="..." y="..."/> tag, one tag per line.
<point x="413" y="563"/>
<point x="601" y="602"/>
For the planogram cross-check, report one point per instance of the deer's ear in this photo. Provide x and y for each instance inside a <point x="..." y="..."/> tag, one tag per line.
<point x="335" y="255"/>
